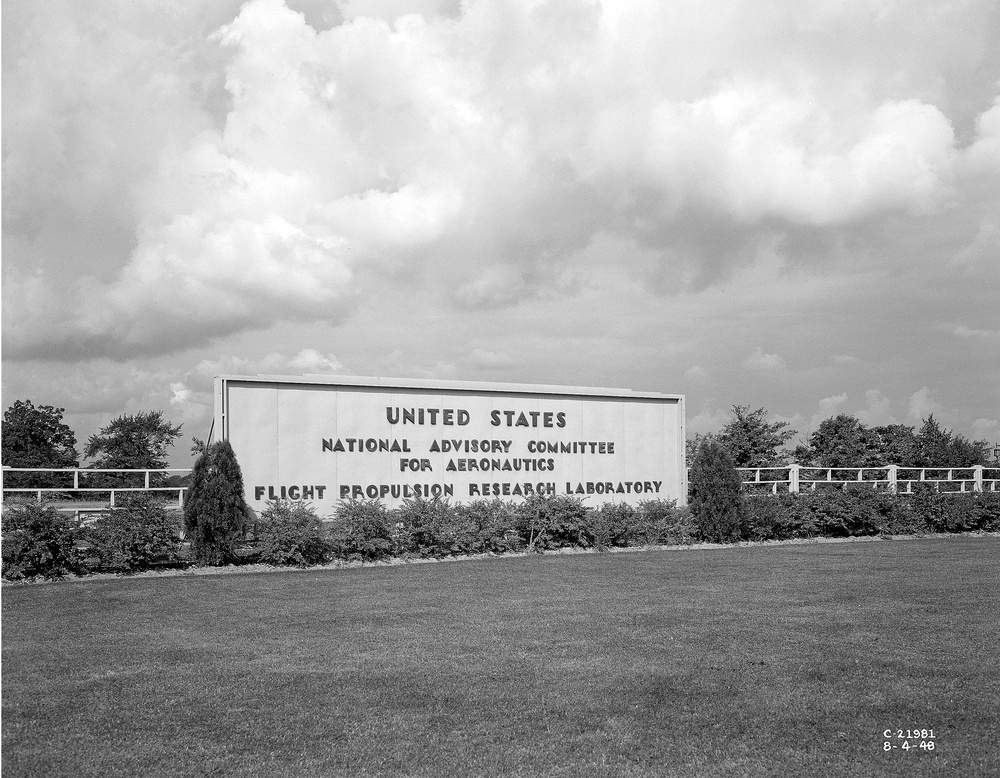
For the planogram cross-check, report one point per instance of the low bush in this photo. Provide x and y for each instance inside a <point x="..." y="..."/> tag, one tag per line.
<point x="777" y="517"/>
<point x="134" y="535"/>
<point x="494" y="523"/>
<point x="362" y="529"/>
<point x="987" y="506"/>
<point x="946" y="512"/>
<point x="844" y="513"/>
<point x="863" y="512"/>
<point x="38" y="540"/>
<point x="433" y="527"/>
<point x="614" y="525"/>
<point x="554" y="521"/>
<point x="661" y="522"/>
<point x="288" y="532"/>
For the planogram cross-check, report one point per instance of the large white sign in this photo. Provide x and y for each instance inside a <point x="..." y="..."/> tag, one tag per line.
<point x="324" y="440"/>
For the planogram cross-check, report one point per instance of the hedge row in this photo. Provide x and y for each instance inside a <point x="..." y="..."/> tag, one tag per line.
<point x="367" y="530"/>
<point x="864" y="512"/>
<point x="140" y="533"/>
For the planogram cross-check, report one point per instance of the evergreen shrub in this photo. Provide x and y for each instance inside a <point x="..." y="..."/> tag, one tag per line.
<point x="288" y="532"/>
<point x="38" y="540"/>
<point x="134" y="535"/>
<point x="215" y="513"/>
<point x="716" y="494"/>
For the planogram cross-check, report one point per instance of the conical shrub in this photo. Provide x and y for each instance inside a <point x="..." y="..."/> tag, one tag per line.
<point x="716" y="494"/>
<point x="216" y="513"/>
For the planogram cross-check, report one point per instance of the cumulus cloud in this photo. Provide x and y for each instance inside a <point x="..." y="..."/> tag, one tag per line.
<point x="707" y="421"/>
<point x="921" y="405"/>
<point x="180" y="393"/>
<point x="758" y="360"/>
<point x="878" y="411"/>
<point x="828" y="406"/>
<point x="220" y="171"/>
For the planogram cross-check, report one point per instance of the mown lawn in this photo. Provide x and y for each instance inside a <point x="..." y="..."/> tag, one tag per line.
<point x="770" y="660"/>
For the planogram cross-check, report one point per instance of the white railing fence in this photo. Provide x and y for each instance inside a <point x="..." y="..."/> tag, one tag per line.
<point x="891" y="478"/>
<point x="81" y="483"/>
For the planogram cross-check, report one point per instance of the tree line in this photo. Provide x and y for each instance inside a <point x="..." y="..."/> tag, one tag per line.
<point x="37" y="437"/>
<point x="840" y="441"/>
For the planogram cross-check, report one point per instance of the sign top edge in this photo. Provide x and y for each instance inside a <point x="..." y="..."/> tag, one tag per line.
<point x="447" y="385"/>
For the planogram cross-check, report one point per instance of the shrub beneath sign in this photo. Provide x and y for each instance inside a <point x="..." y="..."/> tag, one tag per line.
<point x="554" y="521"/>
<point x="614" y="525"/>
<point x="134" y="535"/>
<point x="361" y="529"/>
<point x="663" y="523"/>
<point x="436" y="528"/>
<point x="290" y="533"/>
<point x="494" y="523"/>
<point x="215" y="513"/>
<point x="38" y="540"/>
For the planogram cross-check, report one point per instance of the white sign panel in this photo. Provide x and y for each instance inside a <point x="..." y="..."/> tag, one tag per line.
<point x="326" y="440"/>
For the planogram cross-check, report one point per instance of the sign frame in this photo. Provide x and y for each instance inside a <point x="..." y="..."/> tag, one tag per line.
<point x="441" y="412"/>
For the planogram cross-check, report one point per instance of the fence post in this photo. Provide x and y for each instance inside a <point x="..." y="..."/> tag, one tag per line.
<point x="793" y="478"/>
<point x="977" y="478"/>
<point x="147" y="479"/>
<point x="893" y="476"/>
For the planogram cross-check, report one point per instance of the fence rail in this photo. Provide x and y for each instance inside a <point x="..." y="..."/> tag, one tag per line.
<point x="72" y="496"/>
<point x="786" y="478"/>
<point x="892" y="478"/>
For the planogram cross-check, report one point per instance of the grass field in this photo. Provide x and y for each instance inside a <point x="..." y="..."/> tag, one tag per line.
<point x="771" y="660"/>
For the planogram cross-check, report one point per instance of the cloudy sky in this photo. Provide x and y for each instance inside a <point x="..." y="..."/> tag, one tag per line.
<point x="774" y="203"/>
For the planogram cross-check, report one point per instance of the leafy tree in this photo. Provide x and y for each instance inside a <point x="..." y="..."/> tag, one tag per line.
<point x="843" y="441"/>
<point x="937" y="447"/>
<point x="895" y="444"/>
<point x="840" y="441"/>
<point x="37" y="437"/>
<point x="752" y="441"/>
<point x="215" y="513"/>
<point x="716" y="494"/>
<point x="139" y="441"/>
